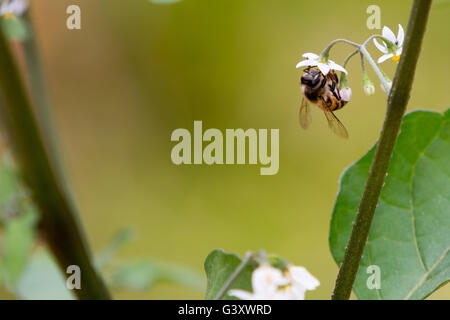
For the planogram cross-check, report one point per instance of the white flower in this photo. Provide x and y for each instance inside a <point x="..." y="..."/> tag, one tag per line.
<point x="324" y="65"/>
<point x="270" y="283"/>
<point x="301" y="281"/>
<point x="265" y="283"/>
<point x="346" y="93"/>
<point x="13" y="8"/>
<point x="390" y="52"/>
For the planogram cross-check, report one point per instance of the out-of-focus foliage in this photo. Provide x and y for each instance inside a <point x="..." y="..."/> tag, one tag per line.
<point x="141" y="274"/>
<point x="145" y="273"/>
<point x="33" y="274"/>
<point x="409" y="239"/>
<point x="36" y="275"/>
<point x="17" y="220"/>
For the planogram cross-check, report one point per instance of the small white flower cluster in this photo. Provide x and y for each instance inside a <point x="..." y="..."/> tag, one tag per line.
<point x="391" y="48"/>
<point x="270" y="283"/>
<point x="13" y="8"/>
<point x="325" y="65"/>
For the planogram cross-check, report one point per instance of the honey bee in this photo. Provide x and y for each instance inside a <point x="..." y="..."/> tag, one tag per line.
<point x="323" y="91"/>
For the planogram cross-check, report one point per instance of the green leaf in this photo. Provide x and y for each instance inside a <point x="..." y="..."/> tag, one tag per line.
<point x="19" y="237"/>
<point x="18" y="219"/>
<point x="410" y="235"/>
<point x="142" y="275"/>
<point x="219" y="266"/>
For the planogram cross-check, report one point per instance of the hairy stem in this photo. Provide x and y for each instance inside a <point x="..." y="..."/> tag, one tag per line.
<point x="58" y="217"/>
<point x="397" y="103"/>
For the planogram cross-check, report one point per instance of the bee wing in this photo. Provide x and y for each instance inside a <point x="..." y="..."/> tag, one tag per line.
<point x="335" y="125"/>
<point x="304" y="115"/>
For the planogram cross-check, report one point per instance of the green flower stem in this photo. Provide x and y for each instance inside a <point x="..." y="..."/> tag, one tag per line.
<point x="347" y="59"/>
<point x="375" y="68"/>
<point x="223" y="291"/>
<point x="325" y="53"/>
<point x="363" y="65"/>
<point x="397" y="103"/>
<point x="58" y="217"/>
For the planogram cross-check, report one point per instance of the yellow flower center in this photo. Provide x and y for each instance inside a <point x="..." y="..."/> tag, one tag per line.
<point x="396" y="58"/>
<point x="9" y="15"/>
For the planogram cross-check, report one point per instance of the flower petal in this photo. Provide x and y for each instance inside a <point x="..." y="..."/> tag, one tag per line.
<point x="380" y="47"/>
<point x="388" y="34"/>
<point x="401" y="36"/>
<point x="333" y="65"/>
<point x="302" y="277"/>
<point x="399" y="52"/>
<point x="241" y="294"/>
<point x="385" y="57"/>
<point x="324" y="68"/>
<point x="299" y="292"/>
<point x="305" y="63"/>
<point x="16" y="7"/>
<point x="311" y="56"/>
<point x="267" y="279"/>
<point x="285" y="294"/>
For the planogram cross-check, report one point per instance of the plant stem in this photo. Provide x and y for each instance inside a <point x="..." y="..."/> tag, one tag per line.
<point x="397" y="103"/>
<point x="233" y="277"/>
<point x="347" y="59"/>
<point x="58" y="217"/>
<point x="326" y="51"/>
<point x="375" y="68"/>
<point x="363" y="65"/>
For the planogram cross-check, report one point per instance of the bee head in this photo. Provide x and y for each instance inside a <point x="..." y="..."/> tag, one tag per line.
<point x="311" y="78"/>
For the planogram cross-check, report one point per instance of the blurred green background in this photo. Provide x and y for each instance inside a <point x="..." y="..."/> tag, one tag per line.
<point x="137" y="71"/>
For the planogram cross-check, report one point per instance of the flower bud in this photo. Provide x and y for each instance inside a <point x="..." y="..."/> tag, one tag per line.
<point x="346" y="93"/>
<point x="369" y="88"/>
